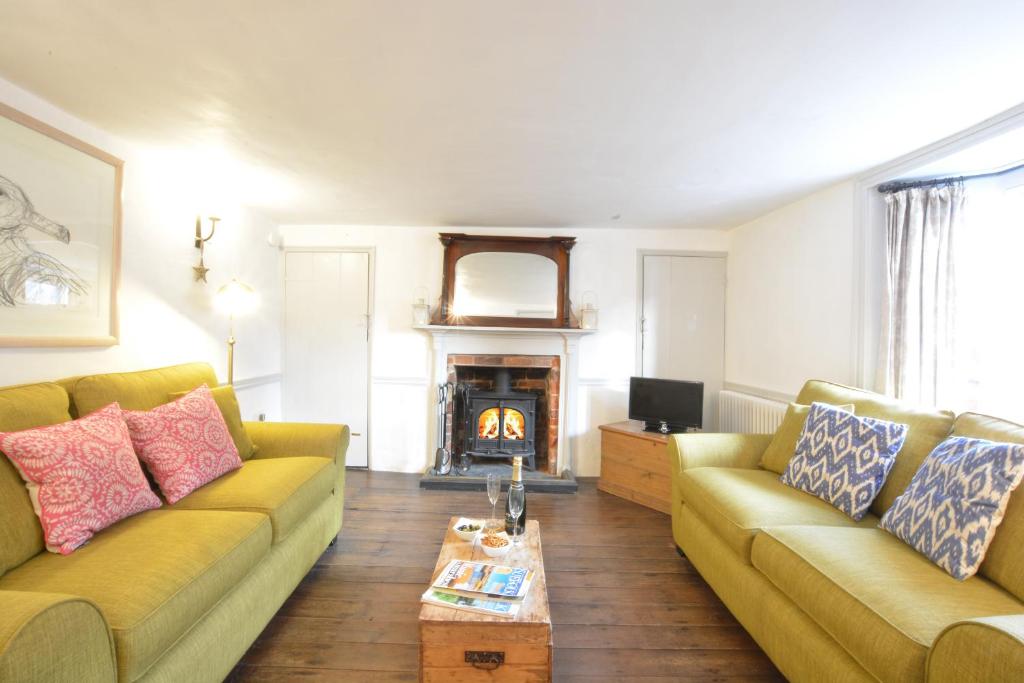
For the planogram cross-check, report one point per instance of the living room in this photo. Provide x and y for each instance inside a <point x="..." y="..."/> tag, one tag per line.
<point x="644" y="258"/>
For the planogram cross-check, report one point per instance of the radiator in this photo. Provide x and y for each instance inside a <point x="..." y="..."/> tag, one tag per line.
<point x="747" y="414"/>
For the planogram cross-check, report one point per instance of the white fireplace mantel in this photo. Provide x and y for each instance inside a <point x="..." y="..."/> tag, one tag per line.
<point x="519" y="341"/>
<point x="446" y="330"/>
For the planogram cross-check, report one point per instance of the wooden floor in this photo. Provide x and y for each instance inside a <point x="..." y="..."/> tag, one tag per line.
<point x="624" y="606"/>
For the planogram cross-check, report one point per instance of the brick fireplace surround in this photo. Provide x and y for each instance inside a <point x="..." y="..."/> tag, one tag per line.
<point x="537" y="374"/>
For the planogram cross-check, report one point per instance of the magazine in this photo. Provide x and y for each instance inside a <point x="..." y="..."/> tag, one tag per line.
<point x="479" y="580"/>
<point x="495" y="608"/>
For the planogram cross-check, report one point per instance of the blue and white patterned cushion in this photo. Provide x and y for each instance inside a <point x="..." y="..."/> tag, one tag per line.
<point x="955" y="501"/>
<point x="843" y="458"/>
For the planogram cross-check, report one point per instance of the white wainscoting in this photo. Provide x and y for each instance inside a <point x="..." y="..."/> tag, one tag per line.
<point x="260" y="396"/>
<point x="599" y="401"/>
<point x="748" y="414"/>
<point x="400" y="408"/>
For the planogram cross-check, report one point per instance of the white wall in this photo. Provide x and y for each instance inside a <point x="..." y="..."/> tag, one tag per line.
<point x="791" y="295"/>
<point x="603" y="260"/>
<point x="165" y="317"/>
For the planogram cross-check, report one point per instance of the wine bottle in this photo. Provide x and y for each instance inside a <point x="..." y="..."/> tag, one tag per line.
<point x="516" y="526"/>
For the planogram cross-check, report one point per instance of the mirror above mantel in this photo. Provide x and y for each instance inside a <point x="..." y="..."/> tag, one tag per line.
<point x="504" y="281"/>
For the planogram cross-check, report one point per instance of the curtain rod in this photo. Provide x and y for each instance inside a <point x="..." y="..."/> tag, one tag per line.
<point x="897" y="185"/>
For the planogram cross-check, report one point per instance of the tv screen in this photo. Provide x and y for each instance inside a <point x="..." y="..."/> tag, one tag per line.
<point x="678" y="403"/>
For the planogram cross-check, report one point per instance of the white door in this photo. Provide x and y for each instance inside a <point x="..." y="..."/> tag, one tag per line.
<point x="326" y="344"/>
<point x="683" y="323"/>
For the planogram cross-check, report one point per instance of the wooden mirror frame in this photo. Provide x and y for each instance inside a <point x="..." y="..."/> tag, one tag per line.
<point x="457" y="245"/>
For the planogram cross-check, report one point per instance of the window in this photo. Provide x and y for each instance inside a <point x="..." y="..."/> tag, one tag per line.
<point x="989" y="339"/>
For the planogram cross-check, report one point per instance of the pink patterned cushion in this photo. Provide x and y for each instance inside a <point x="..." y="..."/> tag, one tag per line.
<point x="82" y="476"/>
<point x="184" y="443"/>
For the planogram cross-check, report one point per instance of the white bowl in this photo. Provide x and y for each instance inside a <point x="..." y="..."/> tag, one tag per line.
<point x="467" y="535"/>
<point x="497" y="552"/>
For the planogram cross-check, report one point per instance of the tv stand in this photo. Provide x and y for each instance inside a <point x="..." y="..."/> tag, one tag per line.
<point x="634" y="464"/>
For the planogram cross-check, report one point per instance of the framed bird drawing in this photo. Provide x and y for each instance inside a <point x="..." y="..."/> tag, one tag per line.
<point x="60" y="236"/>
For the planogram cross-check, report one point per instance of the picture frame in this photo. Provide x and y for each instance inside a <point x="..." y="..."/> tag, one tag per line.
<point x="60" y="237"/>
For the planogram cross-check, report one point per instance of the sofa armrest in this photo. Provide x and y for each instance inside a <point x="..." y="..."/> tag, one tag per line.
<point x="290" y="439"/>
<point x="989" y="649"/>
<point x="54" y="637"/>
<point x="687" y="451"/>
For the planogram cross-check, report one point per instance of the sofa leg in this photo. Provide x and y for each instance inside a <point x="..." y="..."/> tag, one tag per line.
<point x="680" y="551"/>
<point x="334" y="542"/>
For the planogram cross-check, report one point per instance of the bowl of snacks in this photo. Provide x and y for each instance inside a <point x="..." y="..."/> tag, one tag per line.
<point x="467" y="529"/>
<point x="495" y="545"/>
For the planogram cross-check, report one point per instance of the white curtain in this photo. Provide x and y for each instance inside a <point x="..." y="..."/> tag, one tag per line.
<point x="918" y="334"/>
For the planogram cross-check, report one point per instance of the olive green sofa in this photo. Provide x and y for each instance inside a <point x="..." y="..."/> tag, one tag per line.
<point x="173" y="594"/>
<point x="830" y="599"/>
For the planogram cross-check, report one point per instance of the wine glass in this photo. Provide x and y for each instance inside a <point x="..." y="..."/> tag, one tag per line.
<point x="493" y="491"/>
<point x="516" y="500"/>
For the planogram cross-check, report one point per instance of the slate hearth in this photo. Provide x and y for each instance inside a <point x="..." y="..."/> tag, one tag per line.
<point x="476" y="479"/>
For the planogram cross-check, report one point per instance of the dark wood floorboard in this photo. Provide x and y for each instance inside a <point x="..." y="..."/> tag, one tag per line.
<point x="624" y="606"/>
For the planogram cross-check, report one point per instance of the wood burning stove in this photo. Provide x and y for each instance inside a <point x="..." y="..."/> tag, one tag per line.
<point x="500" y="423"/>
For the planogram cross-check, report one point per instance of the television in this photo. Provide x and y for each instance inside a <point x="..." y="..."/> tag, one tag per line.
<point x="666" y="405"/>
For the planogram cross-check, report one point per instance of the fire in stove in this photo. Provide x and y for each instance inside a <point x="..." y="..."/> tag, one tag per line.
<point x="490" y="424"/>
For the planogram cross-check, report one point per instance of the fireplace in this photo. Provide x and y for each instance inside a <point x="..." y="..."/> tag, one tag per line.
<point x="505" y="405"/>
<point x="500" y="423"/>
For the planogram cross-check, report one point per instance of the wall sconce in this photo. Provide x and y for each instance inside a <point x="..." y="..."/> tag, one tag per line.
<point x="201" y="270"/>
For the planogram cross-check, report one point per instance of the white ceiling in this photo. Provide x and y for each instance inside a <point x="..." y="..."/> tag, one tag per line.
<point x="670" y="113"/>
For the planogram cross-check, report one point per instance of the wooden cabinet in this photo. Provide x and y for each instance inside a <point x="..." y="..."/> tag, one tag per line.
<point x="634" y="465"/>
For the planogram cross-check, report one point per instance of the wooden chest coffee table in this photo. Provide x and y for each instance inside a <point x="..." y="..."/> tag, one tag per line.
<point x="456" y="645"/>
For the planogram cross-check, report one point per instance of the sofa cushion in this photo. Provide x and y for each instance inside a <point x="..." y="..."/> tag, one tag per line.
<point x="953" y="507"/>
<point x="783" y="445"/>
<point x="737" y="503"/>
<point x="925" y="429"/>
<point x="285" y="489"/>
<point x="227" y="402"/>
<point x="153" y="576"/>
<point x="82" y="476"/>
<point x="24" y="407"/>
<point x="844" y="458"/>
<point x="1004" y="561"/>
<point x="143" y="390"/>
<point x="883" y="602"/>
<point x="184" y="443"/>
